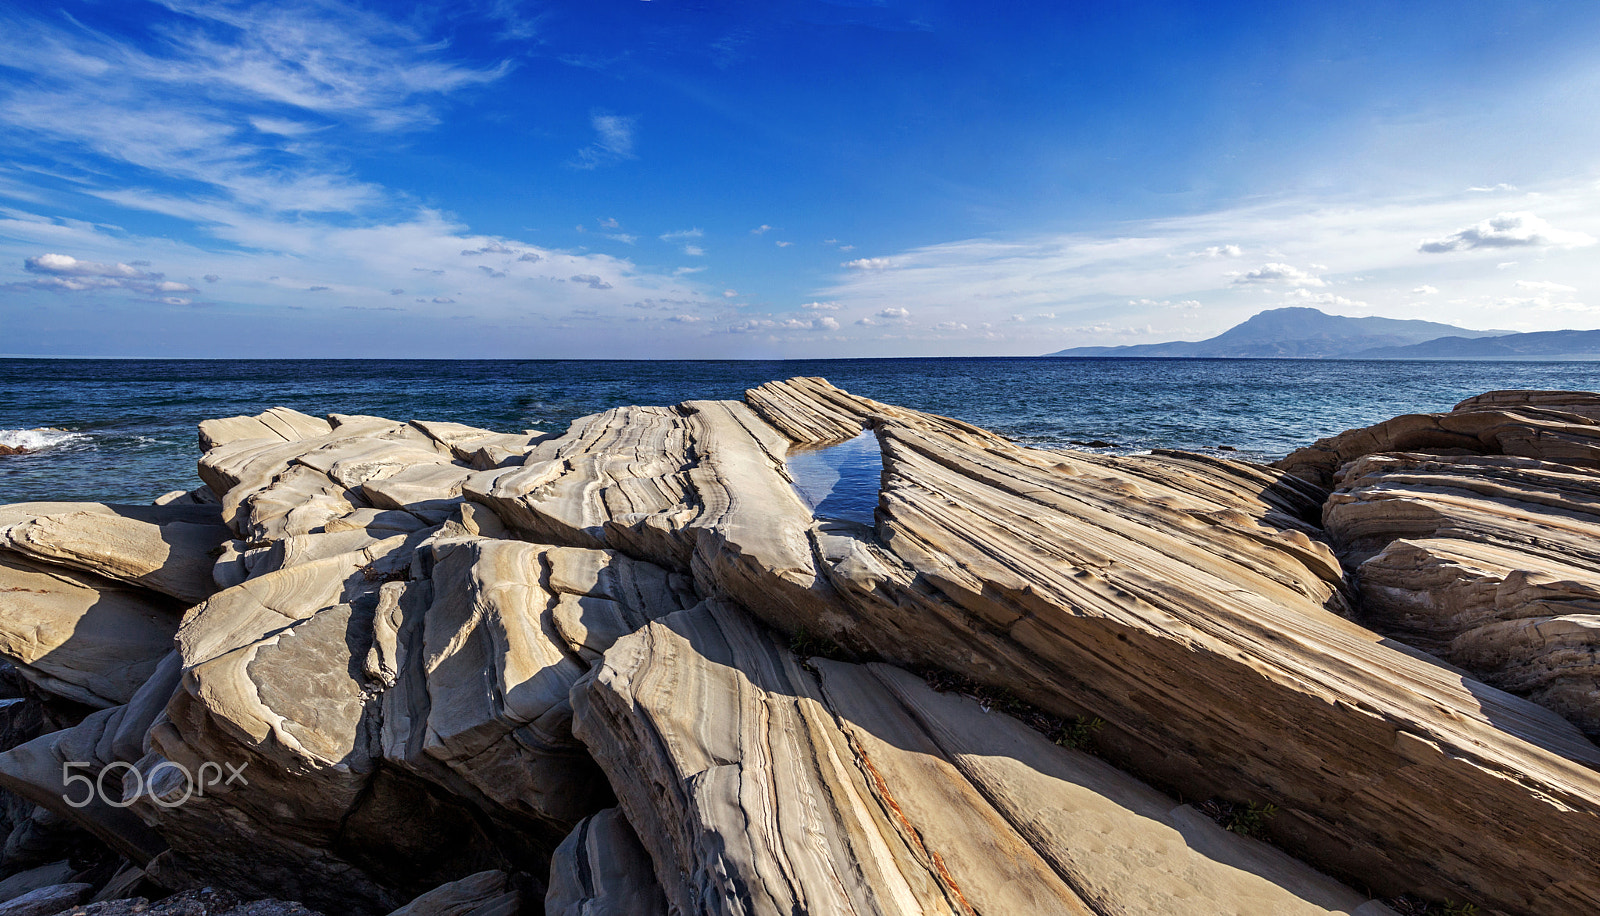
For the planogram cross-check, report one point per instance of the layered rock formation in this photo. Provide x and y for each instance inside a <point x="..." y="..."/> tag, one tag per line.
<point x="1492" y="560"/>
<point x="379" y="667"/>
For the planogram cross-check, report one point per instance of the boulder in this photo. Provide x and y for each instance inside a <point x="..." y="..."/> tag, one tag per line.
<point x="487" y="893"/>
<point x="1559" y="426"/>
<point x="34" y="878"/>
<point x="1492" y="563"/>
<point x="79" y="636"/>
<point x="47" y="901"/>
<point x="600" y="869"/>
<point x="167" y="549"/>
<point x="279" y="423"/>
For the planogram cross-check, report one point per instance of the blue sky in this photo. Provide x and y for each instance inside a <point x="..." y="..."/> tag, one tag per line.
<point x="802" y="178"/>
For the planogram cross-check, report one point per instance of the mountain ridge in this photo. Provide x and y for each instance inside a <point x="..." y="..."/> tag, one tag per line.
<point x="1300" y="332"/>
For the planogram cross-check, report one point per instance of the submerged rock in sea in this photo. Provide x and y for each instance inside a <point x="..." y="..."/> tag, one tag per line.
<point x="632" y="662"/>
<point x="11" y="450"/>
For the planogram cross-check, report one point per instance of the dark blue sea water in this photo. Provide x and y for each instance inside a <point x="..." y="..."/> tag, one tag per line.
<point x="127" y="428"/>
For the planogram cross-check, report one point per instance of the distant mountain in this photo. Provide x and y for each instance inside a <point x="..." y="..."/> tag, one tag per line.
<point x="1533" y="345"/>
<point x="1296" y="333"/>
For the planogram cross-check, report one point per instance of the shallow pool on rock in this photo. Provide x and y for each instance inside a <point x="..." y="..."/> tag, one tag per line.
<point x="840" y="480"/>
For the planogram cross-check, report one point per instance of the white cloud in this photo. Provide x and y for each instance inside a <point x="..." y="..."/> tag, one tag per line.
<point x="65" y="273"/>
<point x="623" y="237"/>
<point x="1286" y="274"/>
<point x="826" y="323"/>
<point x="685" y="319"/>
<point x="613" y="142"/>
<point x="1493" y="189"/>
<point x="592" y="281"/>
<point x="762" y="229"/>
<point x="1508" y="230"/>
<point x="730" y="293"/>
<point x="950" y="326"/>
<point x="694" y="251"/>
<point x="1218" y="251"/>
<point x="680" y="235"/>
<point x="1426" y="290"/>
<point x="869" y="264"/>
<point x="823" y="306"/>
<point x="783" y="244"/>
<point x="1547" y="286"/>
<point x="65" y="265"/>
<point x="894" y="312"/>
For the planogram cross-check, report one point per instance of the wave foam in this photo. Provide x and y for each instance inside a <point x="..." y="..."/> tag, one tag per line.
<point x="35" y="440"/>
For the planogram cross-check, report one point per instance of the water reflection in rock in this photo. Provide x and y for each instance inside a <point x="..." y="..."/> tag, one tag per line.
<point x="841" y="480"/>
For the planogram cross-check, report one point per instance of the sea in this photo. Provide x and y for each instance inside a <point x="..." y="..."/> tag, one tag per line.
<point x="124" y="430"/>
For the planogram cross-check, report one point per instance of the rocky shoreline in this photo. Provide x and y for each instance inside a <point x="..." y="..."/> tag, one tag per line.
<point x="379" y="667"/>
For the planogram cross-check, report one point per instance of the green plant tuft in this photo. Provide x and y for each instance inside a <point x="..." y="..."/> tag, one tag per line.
<point x="1251" y="819"/>
<point x="1078" y="733"/>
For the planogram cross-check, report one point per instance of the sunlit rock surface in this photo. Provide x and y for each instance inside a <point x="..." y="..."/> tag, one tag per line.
<point x="650" y="664"/>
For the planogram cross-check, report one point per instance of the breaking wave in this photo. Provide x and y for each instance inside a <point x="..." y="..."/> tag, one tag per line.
<point x="38" y="440"/>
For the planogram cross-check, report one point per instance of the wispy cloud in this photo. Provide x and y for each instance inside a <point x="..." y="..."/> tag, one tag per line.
<point x="680" y="235"/>
<point x="613" y="142"/>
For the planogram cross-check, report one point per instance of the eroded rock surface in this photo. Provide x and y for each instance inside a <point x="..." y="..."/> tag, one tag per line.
<point x="437" y="656"/>
<point x="762" y="787"/>
<point x="1189" y="602"/>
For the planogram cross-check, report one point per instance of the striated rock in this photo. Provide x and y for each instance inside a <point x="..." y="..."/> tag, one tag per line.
<point x="485" y="657"/>
<point x="1189" y="602"/>
<point x="272" y="688"/>
<point x="487" y="893"/>
<point x="434" y="656"/>
<point x="480" y="448"/>
<point x="279" y="423"/>
<point x="600" y="869"/>
<point x="79" y="636"/>
<point x="389" y="679"/>
<point x="616" y="479"/>
<point x="760" y="787"/>
<point x="167" y="549"/>
<point x="1548" y="425"/>
<point x="1492" y="563"/>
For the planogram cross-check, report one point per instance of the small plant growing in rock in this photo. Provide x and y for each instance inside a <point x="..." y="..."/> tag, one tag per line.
<point x="1411" y="905"/>
<point x="1250" y="820"/>
<point x="1078" y="733"/>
